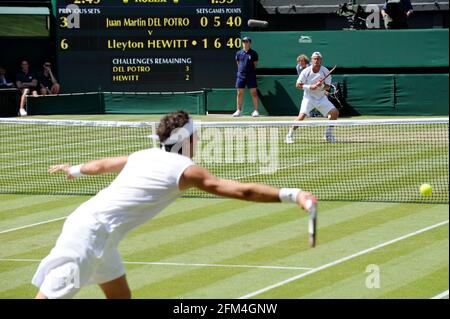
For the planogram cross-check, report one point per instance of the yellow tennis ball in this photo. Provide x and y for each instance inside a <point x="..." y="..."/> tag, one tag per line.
<point x="426" y="190"/>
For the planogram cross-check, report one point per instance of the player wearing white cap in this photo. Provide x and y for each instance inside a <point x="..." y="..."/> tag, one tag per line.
<point x="86" y="252"/>
<point x="314" y="82"/>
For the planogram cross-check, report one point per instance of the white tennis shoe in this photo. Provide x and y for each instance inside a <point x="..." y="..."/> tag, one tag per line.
<point x="330" y="139"/>
<point x="255" y="114"/>
<point x="289" y="139"/>
<point x="237" y="114"/>
<point x="22" y="112"/>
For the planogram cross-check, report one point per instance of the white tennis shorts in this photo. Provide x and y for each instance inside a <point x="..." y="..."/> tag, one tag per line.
<point x="324" y="106"/>
<point x="84" y="254"/>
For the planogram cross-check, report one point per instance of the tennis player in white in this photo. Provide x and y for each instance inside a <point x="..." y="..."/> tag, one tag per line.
<point x="150" y="180"/>
<point x="315" y="96"/>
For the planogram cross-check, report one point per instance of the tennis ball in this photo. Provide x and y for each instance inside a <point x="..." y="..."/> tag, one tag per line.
<point x="426" y="190"/>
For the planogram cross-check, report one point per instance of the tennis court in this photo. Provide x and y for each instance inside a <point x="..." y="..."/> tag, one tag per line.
<point x="216" y="248"/>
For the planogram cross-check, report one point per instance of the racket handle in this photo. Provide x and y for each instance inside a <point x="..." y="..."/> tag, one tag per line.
<point x="311" y="206"/>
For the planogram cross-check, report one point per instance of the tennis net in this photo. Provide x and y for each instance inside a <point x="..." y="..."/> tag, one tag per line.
<point x="374" y="160"/>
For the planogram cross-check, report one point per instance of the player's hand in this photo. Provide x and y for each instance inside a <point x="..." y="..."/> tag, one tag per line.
<point x="303" y="199"/>
<point x="321" y="84"/>
<point x="65" y="168"/>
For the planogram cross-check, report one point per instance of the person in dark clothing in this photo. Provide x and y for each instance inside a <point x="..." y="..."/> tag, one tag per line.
<point x="396" y="13"/>
<point x="4" y="83"/>
<point x="247" y="61"/>
<point x="47" y="81"/>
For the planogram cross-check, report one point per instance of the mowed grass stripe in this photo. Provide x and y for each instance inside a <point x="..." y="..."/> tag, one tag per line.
<point x="317" y="281"/>
<point x="23" y="291"/>
<point x="404" y="265"/>
<point x="21" y="240"/>
<point x="20" y="275"/>
<point x="206" y="211"/>
<point x="424" y="286"/>
<point x="337" y="212"/>
<point x="20" y="201"/>
<point x="201" y="237"/>
<point x="355" y="238"/>
<point x="268" y="253"/>
<point x="34" y="243"/>
<point x="335" y="246"/>
<point x="233" y="248"/>
<point x="308" y="257"/>
<point x="226" y="250"/>
<point x="18" y="217"/>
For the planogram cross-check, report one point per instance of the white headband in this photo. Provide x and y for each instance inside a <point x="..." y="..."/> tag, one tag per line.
<point x="178" y="135"/>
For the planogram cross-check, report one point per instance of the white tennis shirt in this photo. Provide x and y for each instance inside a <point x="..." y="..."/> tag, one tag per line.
<point x="309" y="77"/>
<point x="148" y="183"/>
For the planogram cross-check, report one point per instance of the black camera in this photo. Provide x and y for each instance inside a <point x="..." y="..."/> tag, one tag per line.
<point x="355" y="15"/>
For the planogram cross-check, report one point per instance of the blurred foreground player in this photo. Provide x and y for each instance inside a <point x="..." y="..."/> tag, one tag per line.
<point x="150" y="180"/>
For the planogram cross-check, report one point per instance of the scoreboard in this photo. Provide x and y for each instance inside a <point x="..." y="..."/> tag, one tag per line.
<point x="148" y="45"/>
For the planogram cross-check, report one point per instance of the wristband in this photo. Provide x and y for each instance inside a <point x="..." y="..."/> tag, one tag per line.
<point x="289" y="195"/>
<point x="75" y="171"/>
<point x="306" y="87"/>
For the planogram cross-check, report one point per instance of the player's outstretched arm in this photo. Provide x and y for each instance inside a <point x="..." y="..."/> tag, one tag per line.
<point x="198" y="177"/>
<point x="98" y="167"/>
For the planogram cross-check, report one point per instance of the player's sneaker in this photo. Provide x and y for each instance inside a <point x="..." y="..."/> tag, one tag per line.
<point x="237" y="114"/>
<point x="289" y="139"/>
<point x="255" y="114"/>
<point x="330" y="139"/>
<point x="22" y="112"/>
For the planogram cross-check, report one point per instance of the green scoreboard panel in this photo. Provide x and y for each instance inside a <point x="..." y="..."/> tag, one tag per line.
<point x="148" y="45"/>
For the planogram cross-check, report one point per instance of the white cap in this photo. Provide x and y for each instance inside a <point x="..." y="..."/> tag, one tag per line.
<point x="317" y="54"/>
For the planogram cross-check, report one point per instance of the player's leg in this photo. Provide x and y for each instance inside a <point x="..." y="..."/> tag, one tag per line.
<point x="56" y="88"/>
<point x="254" y="94"/>
<point x="240" y="102"/>
<point x="241" y="83"/>
<point x="110" y="274"/>
<point x="253" y="86"/>
<point x="23" y="101"/>
<point x="328" y="110"/>
<point x="306" y="108"/>
<point x="117" y="289"/>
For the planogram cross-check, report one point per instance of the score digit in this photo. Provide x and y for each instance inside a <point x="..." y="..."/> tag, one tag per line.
<point x="64" y="44"/>
<point x="234" y="22"/>
<point x="234" y="43"/>
<point x="64" y="22"/>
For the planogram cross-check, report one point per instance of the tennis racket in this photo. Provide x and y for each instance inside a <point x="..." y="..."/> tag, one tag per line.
<point x="311" y="206"/>
<point x="329" y="74"/>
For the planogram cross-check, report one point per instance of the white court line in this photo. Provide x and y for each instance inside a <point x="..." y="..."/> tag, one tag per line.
<point x="217" y="265"/>
<point x="441" y="296"/>
<point x="341" y="260"/>
<point x="32" y="225"/>
<point x="184" y="265"/>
